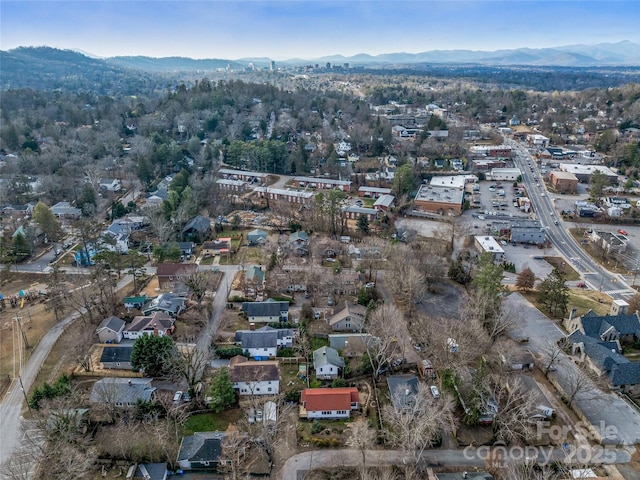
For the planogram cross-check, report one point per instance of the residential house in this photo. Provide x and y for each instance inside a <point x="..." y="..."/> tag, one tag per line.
<point x="266" y="312"/>
<point x="117" y="357"/>
<point x="134" y="302"/>
<point x="384" y="203"/>
<point x="187" y="248"/>
<point x="402" y="390"/>
<point x="122" y="392"/>
<point x="254" y="276"/>
<point x="157" y="323"/>
<point x="596" y="342"/>
<point x="254" y="378"/>
<point x="604" y="358"/>
<point x="327" y="363"/>
<point x="350" y="344"/>
<point x="256" y="237"/>
<point x="299" y="243"/>
<point x="65" y="210"/>
<point x="620" y="327"/>
<point x="328" y="402"/>
<point x="349" y="318"/>
<point x="147" y="471"/>
<point x="201" y="451"/>
<point x="110" y="330"/>
<point x="197" y="229"/>
<point x="218" y="246"/>
<point x="264" y="342"/>
<point x="115" y="242"/>
<point x="168" y="303"/>
<point x="110" y="184"/>
<point x="171" y="275"/>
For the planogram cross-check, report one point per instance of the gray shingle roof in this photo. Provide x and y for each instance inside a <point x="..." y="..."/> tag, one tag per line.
<point x="112" y="323"/>
<point x="258" y="339"/>
<point x="595" y="325"/>
<point x="121" y="390"/>
<point x="401" y="389"/>
<point x="327" y="356"/>
<point x="201" y="447"/>
<point x="116" y="354"/>
<point x="265" y="309"/>
<point x="198" y="224"/>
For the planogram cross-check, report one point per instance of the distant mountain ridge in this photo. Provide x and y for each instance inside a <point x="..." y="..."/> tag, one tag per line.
<point x="623" y="53"/>
<point x="50" y="68"/>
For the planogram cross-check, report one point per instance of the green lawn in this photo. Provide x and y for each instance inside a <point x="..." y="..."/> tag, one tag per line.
<point x="569" y="273"/>
<point x="581" y="300"/>
<point x="210" y="422"/>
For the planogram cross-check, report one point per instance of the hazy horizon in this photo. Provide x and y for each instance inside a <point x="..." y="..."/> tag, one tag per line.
<point x="282" y="30"/>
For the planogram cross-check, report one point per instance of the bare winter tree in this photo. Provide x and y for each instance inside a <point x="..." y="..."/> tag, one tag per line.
<point x="576" y="384"/>
<point x="453" y="343"/>
<point x="361" y="437"/>
<point x="161" y="227"/>
<point x="511" y="423"/>
<point x="382" y="346"/>
<point x="419" y="422"/>
<point x="553" y="353"/>
<point x="189" y="363"/>
<point x="403" y="276"/>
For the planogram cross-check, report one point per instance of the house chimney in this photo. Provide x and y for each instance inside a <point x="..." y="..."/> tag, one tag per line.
<point x="252" y="326"/>
<point x="573" y="312"/>
<point x="155" y="329"/>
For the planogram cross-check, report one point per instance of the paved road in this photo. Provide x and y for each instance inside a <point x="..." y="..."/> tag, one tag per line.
<point x="12" y="403"/>
<point x="296" y="466"/>
<point x="595" y="276"/>
<point x="219" y="304"/>
<point x="608" y="409"/>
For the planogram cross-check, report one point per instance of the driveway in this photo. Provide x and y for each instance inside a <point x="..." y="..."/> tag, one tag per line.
<point x="608" y="409"/>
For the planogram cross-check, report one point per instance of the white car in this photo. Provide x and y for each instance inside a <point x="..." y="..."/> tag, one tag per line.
<point x="435" y="392"/>
<point x="177" y="397"/>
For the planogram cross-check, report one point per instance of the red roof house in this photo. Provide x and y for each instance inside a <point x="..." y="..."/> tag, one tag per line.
<point x="328" y="402"/>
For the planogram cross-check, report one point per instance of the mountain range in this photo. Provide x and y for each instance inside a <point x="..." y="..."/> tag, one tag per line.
<point x="623" y="53"/>
<point x="46" y="67"/>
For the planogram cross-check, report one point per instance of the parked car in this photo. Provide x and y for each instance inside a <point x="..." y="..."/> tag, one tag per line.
<point x="435" y="392"/>
<point x="259" y="415"/>
<point x="622" y="232"/>
<point x="582" y="285"/>
<point x="177" y="397"/>
<point x="252" y="415"/>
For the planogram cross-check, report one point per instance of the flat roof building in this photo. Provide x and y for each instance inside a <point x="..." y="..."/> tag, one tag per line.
<point x="583" y="172"/>
<point x="439" y="199"/>
<point x="486" y="244"/>
<point x="564" y="182"/>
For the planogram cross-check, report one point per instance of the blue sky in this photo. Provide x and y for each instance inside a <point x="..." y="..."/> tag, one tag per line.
<point x="308" y="29"/>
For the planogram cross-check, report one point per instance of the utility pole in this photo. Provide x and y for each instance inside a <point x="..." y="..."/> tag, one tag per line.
<point x="25" y="394"/>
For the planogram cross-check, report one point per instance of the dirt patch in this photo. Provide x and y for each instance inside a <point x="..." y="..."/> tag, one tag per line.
<point x="34" y="318"/>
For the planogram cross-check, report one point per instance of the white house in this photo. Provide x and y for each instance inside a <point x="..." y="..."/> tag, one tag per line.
<point x="254" y="378"/>
<point x="327" y="363"/>
<point x="328" y="402"/>
<point x="111" y="184"/>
